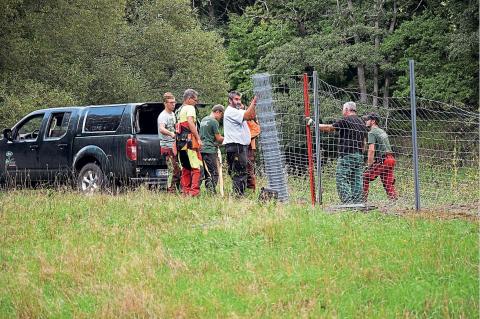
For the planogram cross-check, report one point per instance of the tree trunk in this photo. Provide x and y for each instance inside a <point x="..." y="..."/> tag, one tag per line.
<point x="375" y="85"/>
<point x="362" y="83"/>
<point x="377" y="9"/>
<point x="386" y="89"/>
<point x="211" y="12"/>
<point x="388" y="75"/>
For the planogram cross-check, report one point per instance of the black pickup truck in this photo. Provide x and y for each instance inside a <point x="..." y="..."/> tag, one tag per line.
<point x="94" y="146"/>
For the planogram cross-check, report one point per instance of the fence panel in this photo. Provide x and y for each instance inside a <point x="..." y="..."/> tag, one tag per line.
<point x="448" y="143"/>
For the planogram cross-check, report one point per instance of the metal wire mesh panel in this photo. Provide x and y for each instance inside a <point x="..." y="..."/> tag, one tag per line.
<point x="269" y="139"/>
<point x="287" y="102"/>
<point x="448" y="139"/>
<point x="448" y="144"/>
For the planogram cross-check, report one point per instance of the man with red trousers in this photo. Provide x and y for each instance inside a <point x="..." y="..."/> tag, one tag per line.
<point x="189" y="144"/>
<point x="380" y="158"/>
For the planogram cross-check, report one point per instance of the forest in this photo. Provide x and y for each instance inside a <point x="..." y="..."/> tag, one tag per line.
<point x="81" y="52"/>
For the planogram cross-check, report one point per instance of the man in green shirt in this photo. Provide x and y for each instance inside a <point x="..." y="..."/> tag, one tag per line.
<point x="380" y="158"/>
<point x="211" y="137"/>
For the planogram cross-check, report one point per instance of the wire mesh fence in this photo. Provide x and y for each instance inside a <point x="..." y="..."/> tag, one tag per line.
<point x="448" y="143"/>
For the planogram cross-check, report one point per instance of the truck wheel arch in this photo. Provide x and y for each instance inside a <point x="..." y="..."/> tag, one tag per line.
<point x="91" y="154"/>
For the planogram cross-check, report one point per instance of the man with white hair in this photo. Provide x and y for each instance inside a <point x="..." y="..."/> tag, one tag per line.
<point x="352" y="133"/>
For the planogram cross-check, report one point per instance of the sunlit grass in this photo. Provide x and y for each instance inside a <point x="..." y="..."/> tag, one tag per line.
<point x="147" y="254"/>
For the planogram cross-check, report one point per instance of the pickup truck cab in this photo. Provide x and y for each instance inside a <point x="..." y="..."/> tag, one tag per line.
<point x="95" y="146"/>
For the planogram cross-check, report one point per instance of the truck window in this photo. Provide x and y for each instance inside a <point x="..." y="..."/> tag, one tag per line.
<point x="58" y="124"/>
<point x="28" y="130"/>
<point x="103" y="119"/>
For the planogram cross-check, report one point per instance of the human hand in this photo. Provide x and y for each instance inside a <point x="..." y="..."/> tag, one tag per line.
<point x="254" y="100"/>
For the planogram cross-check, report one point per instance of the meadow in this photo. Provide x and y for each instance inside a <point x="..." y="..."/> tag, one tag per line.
<point x="150" y="254"/>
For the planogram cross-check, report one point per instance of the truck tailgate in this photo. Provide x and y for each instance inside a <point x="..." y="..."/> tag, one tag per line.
<point x="148" y="149"/>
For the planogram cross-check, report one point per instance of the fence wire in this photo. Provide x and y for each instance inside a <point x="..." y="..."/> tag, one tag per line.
<point x="448" y="143"/>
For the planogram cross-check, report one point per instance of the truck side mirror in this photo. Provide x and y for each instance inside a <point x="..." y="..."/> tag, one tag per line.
<point x="7" y="134"/>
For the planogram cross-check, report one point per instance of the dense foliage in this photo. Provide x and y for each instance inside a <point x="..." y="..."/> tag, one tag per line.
<point x="363" y="45"/>
<point x="64" y="52"/>
<point x="59" y="52"/>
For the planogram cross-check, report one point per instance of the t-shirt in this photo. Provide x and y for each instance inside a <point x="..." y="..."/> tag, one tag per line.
<point x="379" y="137"/>
<point x="208" y="128"/>
<point x="186" y="111"/>
<point x="352" y="131"/>
<point x="235" y="128"/>
<point x="168" y="119"/>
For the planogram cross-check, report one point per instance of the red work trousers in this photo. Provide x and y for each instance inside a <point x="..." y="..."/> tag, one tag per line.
<point x="386" y="176"/>
<point x="190" y="180"/>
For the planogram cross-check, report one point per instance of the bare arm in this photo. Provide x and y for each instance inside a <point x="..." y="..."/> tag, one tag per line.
<point x="219" y="138"/>
<point x="371" y="154"/>
<point x="326" y="128"/>
<point x="250" y="112"/>
<point x="164" y="131"/>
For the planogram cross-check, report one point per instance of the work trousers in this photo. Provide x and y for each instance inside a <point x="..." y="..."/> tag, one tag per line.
<point x="210" y="165"/>
<point x="386" y="176"/>
<point x="237" y="166"/>
<point x="349" y="178"/>
<point x="190" y="179"/>
<point x="251" y="181"/>
<point x="173" y="167"/>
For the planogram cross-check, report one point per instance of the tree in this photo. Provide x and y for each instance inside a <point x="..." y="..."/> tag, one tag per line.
<point x="445" y="48"/>
<point x="105" y="51"/>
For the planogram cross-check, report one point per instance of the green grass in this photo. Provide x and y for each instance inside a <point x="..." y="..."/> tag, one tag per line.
<point x="145" y="254"/>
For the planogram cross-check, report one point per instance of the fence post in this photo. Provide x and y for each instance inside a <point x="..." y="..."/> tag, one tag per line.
<point x="413" y="103"/>
<point x="306" y="103"/>
<point x="316" y="109"/>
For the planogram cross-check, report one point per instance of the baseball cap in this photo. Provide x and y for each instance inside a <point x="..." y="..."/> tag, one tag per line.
<point x="372" y="116"/>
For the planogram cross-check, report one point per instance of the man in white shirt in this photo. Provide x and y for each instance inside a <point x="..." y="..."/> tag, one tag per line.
<point x="237" y="139"/>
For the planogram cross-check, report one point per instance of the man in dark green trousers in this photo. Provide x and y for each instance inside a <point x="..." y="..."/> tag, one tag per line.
<point x="352" y="133"/>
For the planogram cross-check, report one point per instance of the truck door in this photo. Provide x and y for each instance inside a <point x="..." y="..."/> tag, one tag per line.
<point x="55" y="149"/>
<point x="22" y="153"/>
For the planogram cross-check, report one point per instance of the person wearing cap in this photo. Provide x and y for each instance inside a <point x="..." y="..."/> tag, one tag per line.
<point x="211" y="137"/>
<point x="166" y="131"/>
<point x="237" y="138"/>
<point x="189" y="144"/>
<point x="380" y="159"/>
<point x="352" y="133"/>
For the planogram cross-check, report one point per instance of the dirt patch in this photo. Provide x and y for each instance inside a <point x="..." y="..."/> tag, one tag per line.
<point x="447" y="212"/>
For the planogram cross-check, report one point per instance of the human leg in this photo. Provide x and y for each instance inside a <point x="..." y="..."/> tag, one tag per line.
<point x="237" y="167"/>
<point x="211" y="171"/>
<point x="356" y="171"/>
<point x="186" y="178"/>
<point x="388" y="180"/>
<point x="194" y="159"/>
<point x="341" y="178"/>
<point x="251" y="181"/>
<point x="369" y="175"/>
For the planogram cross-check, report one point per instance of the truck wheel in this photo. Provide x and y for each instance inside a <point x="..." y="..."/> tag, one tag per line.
<point x="91" y="179"/>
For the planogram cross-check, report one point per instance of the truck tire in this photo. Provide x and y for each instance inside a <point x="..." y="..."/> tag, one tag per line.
<point x="91" y="179"/>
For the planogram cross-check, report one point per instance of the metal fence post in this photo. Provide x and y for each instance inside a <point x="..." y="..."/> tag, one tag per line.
<point x="318" y="154"/>
<point x="413" y="103"/>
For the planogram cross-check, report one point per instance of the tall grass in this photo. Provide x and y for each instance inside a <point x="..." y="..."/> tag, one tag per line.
<point x="147" y="254"/>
